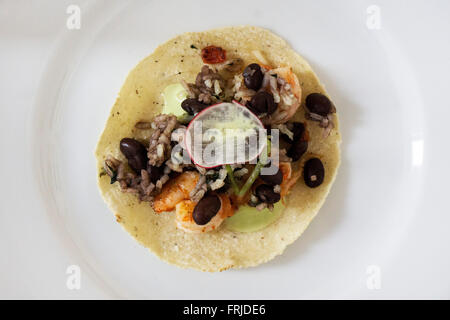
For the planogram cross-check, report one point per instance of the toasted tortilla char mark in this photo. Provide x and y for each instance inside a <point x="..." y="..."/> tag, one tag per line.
<point x="175" y="190"/>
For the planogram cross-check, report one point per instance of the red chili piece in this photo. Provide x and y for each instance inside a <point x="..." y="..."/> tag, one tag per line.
<point x="213" y="54"/>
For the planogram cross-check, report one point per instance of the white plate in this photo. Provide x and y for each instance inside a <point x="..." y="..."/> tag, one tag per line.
<point x="374" y="206"/>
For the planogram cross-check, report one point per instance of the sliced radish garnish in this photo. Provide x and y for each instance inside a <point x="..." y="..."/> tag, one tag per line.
<point x="225" y="133"/>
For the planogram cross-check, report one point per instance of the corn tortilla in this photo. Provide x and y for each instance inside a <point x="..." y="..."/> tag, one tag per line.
<point x="140" y="100"/>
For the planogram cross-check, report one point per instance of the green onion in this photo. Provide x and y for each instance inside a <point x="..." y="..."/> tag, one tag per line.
<point x="253" y="176"/>
<point x="232" y="180"/>
<point x="256" y="170"/>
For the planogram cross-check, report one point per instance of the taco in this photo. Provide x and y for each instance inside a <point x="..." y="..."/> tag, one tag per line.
<point x="220" y="215"/>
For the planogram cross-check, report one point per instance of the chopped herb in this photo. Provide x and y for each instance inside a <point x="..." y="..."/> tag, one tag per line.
<point x="193" y="47"/>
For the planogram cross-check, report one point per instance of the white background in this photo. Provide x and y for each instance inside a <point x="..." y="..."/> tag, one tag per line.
<point x="388" y="215"/>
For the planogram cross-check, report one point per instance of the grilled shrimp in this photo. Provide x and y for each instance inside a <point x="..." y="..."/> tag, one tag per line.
<point x="286" y="91"/>
<point x="289" y="177"/>
<point x="185" y="221"/>
<point x="175" y="190"/>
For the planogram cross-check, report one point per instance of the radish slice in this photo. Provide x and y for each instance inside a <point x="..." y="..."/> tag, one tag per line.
<point x="225" y="133"/>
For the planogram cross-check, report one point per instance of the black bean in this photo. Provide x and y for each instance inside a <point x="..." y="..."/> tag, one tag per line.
<point x="266" y="194"/>
<point x="298" y="129"/>
<point x="206" y="209"/>
<point x="155" y="173"/>
<point x="253" y="76"/>
<point x="318" y="103"/>
<point x="297" y="149"/>
<point x="274" y="179"/>
<point x="313" y="172"/>
<point x="192" y="106"/>
<point x="135" y="152"/>
<point x="262" y="102"/>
